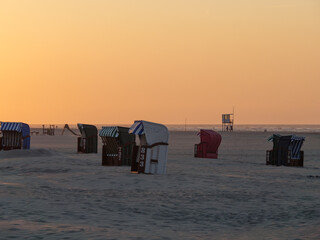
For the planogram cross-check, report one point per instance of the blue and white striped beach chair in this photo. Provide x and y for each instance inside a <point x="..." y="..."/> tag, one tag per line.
<point x="286" y="151"/>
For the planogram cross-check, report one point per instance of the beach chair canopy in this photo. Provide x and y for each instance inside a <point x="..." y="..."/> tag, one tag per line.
<point x="17" y="127"/>
<point x="109" y="132"/>
<point x="290" y="142"/>
<point x="121" y="133"/>
<point x="212" y="138"/>
<point x="88" y="130"/>
<point x="154" y="132"/>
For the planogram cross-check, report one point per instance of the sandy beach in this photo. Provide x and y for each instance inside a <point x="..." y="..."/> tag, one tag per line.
<point x="51" y="192"/>
<point x="148" y="68"/>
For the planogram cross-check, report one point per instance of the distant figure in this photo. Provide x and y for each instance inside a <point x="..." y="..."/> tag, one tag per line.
<point x="227" y="128"/>
<point x="231" y="128"/>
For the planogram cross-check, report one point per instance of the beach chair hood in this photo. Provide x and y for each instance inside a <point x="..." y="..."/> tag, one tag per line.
<point x="88" y="130"/>
<point x="16" y="126"/>
<point x="212" y="138"/>
<point x="154" y="132"/>
<point x="109" y="132"/>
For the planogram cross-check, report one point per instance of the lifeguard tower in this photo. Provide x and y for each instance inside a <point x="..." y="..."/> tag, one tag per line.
<point x="227" y="122"/>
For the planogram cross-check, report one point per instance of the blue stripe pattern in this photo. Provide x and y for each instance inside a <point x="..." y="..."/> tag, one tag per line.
<point x="137" y="128"/>
<point x="295" y="146"/>
<point x="11" y="126"/>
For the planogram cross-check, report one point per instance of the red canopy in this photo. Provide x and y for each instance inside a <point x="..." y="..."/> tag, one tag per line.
<point x="210" y="142"/>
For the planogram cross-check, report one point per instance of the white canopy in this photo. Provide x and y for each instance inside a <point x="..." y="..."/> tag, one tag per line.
<point x="153" y="132"/>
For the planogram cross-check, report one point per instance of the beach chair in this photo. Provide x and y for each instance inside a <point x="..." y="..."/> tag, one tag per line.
<point x="150" y="154"/>
<point x="0" y="140"/>
<point x="88" y="142"/>
<point x="118" y="146"/>
<point x="15" y="135"/>
<point x="286" y="151"/>
<point x="209" y="144"/>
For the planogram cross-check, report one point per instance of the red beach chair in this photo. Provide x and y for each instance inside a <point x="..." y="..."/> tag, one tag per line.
<point x="208" y="147"/>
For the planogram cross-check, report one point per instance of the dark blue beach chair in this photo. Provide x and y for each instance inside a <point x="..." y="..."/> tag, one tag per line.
<point x="286" y="151"/>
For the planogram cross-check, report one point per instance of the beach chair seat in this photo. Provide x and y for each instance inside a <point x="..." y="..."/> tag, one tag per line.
<point x="294" y="161"/>
<point x="151" y="158"/>
<point x="286" y="151"/>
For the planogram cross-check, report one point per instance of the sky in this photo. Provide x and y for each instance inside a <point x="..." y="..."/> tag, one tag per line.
<point x="105" y="61"/>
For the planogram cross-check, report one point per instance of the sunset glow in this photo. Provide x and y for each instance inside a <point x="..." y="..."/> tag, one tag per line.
<point x="117" y="61"/>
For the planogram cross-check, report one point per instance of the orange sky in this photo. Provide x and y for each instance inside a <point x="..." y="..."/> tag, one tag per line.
<point x="100" y="61"/>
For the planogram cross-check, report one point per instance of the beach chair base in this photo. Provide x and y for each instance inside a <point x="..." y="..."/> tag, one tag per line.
<point x="134" y="163"/>
<point x="86" y="145"/>
<point x="111" y="159"/>
<point x="296" y="162"/>
<point x="138" y="165"/>
<point x="80" y="148"/>
<point x="200" y="151"/>
<point x="270" y="160"/>
<point x="8" y="148"/>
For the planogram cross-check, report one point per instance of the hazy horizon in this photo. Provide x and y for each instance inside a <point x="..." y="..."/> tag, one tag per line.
<point x="162" y="61"/>
<point x="39" y="125"/>
<point x="180" y="124"/>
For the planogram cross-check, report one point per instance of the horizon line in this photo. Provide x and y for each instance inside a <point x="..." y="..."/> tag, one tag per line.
<point x="182" y="124"/>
